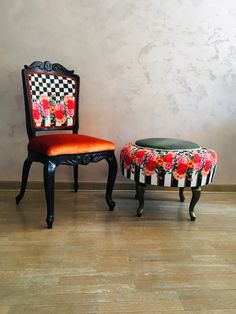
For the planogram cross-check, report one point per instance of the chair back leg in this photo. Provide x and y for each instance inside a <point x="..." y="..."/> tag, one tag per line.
<point x="76" y="184"/>
<point x="25" y="174"/>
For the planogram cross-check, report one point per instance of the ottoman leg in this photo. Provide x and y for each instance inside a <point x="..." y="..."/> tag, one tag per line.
<point x="181" y="194"/>
<point x="136" y="194"/>
<point x="140" y="190"/>
<point x="196" y="192"/>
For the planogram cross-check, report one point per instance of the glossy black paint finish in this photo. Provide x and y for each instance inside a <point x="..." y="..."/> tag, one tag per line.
<point x="196" y="193"/>
<point x="181" y="195"/>
<point x="51" y="163"/>
<point x="112" y="163"/>
<point x="76" y="183"/>
<point x="140" y="190"/>
<point x="25" y="174"/>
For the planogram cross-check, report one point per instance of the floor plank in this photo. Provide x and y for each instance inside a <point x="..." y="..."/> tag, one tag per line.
<point x="96" y="261"/>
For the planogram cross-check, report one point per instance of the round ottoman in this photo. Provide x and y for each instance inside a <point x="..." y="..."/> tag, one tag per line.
<point x="168" y="162"/>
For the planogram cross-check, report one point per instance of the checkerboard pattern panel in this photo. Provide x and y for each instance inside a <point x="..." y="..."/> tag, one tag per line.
<point x="55" y="86"/>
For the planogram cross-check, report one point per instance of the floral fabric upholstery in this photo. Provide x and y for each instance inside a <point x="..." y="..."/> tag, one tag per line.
<point x="52" y="100"/>
<point x="178" y="168"/>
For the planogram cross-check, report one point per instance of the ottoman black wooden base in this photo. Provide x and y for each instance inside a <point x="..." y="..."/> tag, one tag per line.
<point x="196" y="192"/>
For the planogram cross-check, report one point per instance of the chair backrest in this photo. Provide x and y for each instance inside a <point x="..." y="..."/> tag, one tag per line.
<point x="51" y="95"/>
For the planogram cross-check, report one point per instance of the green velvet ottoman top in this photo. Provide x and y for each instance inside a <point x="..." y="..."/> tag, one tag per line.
<point x="166" y="143"/>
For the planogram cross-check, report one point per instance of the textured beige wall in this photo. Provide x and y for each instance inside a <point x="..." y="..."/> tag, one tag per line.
<point x="148" y="68"/>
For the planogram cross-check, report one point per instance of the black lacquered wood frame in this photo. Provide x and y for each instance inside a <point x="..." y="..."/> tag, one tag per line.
<point x="51" y="163"/>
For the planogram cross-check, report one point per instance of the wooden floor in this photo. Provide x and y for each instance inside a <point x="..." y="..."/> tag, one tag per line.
<point x="96" y="261"/>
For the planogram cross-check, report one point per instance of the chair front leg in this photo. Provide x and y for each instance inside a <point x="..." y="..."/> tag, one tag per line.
<point x="112" y="172"/>
<point x="49" y="175"/>
<point x="25" y="174"/>
<point x="76" y="185"/>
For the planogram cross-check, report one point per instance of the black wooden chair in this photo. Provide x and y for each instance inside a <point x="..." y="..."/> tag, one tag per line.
<point x="51" y="94"/>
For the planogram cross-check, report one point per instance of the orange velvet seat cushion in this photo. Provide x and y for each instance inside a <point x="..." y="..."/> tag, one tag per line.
<point x="63" y="144"/>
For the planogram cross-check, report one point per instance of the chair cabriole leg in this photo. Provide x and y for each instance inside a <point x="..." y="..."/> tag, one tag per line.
<point x="49" y="175"/>
<point x="112" y="172"/>
<point x="25" y="174"/>
<point x="196" y="192"/>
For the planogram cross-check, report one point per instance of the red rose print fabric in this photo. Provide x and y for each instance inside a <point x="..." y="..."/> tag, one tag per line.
<point x="47" y="112"/>
<point x="178" y="163"/>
